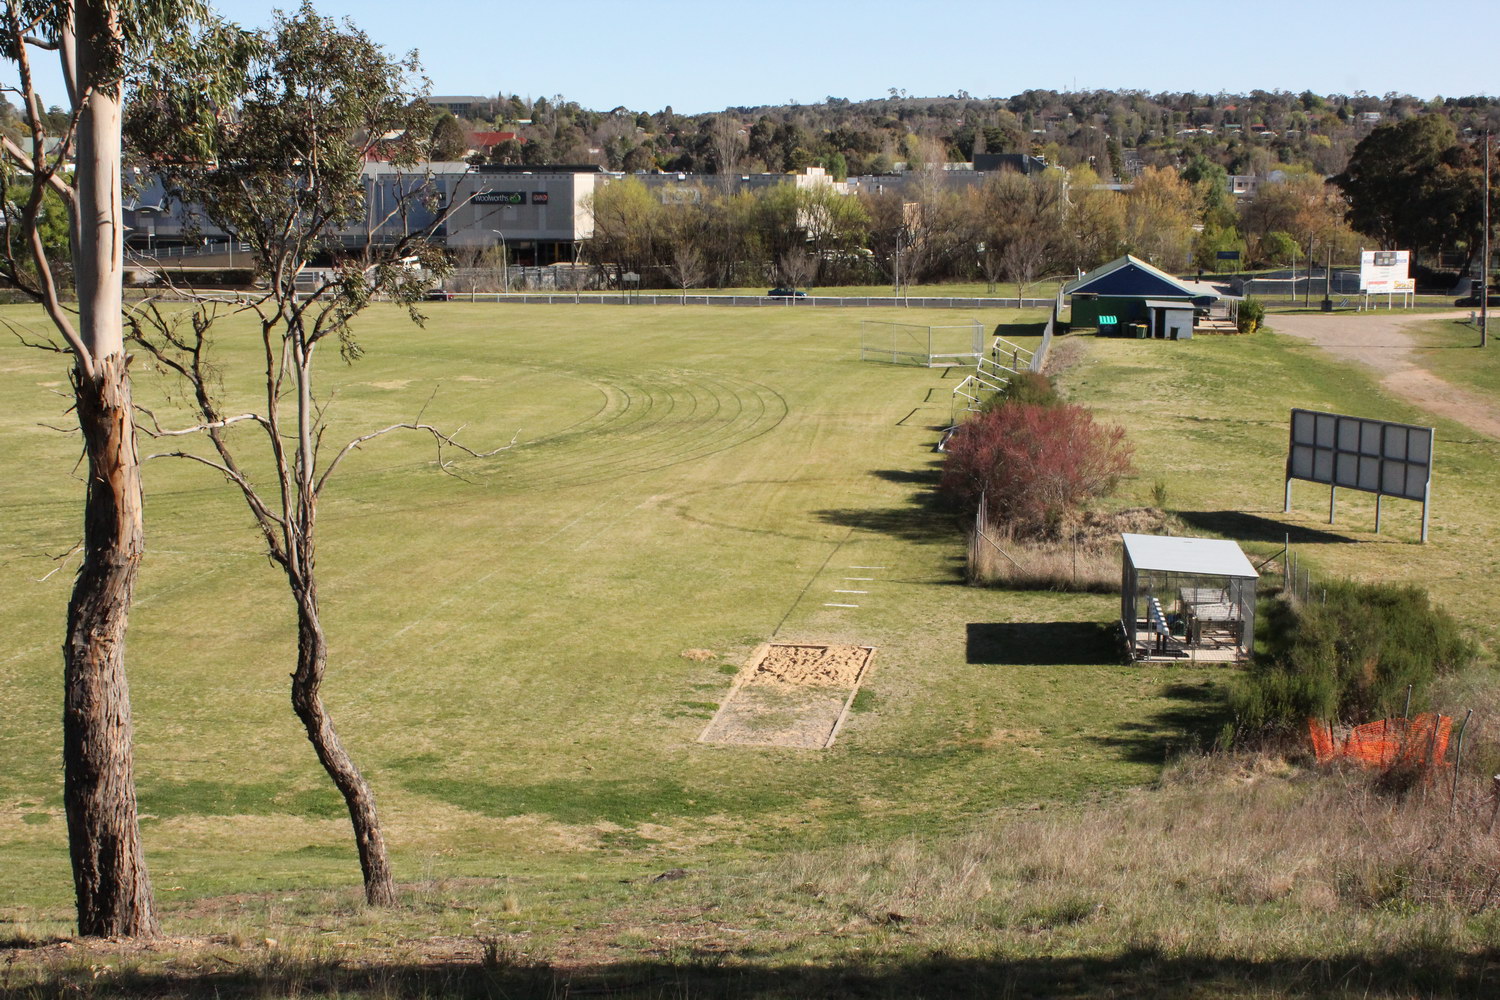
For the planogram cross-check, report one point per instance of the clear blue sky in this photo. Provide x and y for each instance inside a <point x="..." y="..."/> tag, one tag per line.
<point x="705" y="56"/>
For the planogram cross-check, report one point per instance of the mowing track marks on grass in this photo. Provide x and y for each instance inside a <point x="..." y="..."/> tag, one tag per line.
<point x="651" y="420"/>
<point x="648" y="421"/>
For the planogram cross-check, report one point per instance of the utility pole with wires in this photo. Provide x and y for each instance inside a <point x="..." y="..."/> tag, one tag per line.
<point x="1484" y="258"/>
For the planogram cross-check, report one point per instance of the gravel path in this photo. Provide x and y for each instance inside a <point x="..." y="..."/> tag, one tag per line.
<point x="1381" y="341"/>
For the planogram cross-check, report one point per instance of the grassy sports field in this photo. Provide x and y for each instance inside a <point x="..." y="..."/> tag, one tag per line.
<point x="508" y="640"/>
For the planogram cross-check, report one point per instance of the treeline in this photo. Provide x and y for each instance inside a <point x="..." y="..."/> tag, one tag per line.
<point x="1012" y="227"/>
<point x="1117" y="133"/>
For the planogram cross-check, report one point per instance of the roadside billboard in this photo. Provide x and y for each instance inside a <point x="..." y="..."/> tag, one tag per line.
<point x="1385" y="271"/>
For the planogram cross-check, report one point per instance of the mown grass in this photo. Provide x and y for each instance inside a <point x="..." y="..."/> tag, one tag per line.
<point x="1209" y="419"/>
<point x="1449" y="348"/>
<point x="507" y="667"/>
<point x="506" y="640"/>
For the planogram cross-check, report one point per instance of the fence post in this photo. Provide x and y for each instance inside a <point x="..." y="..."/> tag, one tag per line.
<point x="1458" y="760"/>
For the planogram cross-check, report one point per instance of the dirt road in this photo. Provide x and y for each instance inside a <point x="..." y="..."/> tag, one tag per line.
<point x="1381" y="341"/>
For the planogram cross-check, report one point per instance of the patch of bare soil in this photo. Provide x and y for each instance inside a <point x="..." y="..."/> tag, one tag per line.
<point x="810" y="666"/>
<point x="791" y="695"/>
<point x="1381" y="341"/>
<point x="1065" y="353"/>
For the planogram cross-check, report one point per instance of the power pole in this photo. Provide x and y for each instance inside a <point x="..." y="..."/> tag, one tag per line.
<point x="1484" y="259"/>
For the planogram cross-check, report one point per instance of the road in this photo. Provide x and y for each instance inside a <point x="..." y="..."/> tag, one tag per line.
<point x="1381" y="341"/>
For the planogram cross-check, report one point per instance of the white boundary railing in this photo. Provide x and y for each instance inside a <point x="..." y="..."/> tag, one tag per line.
<point x="807" y="302"/>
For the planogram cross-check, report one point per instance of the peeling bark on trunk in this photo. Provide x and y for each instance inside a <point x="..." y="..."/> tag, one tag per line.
<point x="312" y="659"/>
<point x="109" y="866"/>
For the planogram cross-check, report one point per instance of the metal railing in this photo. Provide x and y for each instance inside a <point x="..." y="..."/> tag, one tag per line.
<point x="210" y="249"/>
<point x="1040" y="357"/>
<point x="787" y="302"/>
<point x="1020" y="357"/>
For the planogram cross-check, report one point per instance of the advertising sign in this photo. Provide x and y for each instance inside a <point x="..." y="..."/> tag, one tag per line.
<point x="500" y="198"/>
<point x="1382" y="270"/>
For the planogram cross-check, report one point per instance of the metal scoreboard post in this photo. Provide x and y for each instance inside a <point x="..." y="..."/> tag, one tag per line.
<point x="1375" y="456"/>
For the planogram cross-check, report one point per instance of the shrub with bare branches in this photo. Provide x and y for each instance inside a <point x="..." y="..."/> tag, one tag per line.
<point x="1034" y="464"/>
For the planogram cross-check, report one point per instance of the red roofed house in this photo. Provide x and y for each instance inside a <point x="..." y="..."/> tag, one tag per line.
<point x="485" y="142"/>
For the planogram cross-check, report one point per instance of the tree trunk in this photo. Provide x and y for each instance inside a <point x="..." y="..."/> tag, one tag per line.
<point x="109" y="866"/>
<point x="312" y="659"/>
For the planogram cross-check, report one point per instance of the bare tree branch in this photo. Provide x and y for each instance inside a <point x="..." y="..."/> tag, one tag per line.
<point x="41" y="345"/>
<point x="156" y="431"/>
<point x="443" y="441"/>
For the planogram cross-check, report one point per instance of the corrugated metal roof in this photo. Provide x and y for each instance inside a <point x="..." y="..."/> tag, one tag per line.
<point x="1152" y="276"/>
<point x="1198" y="556"/>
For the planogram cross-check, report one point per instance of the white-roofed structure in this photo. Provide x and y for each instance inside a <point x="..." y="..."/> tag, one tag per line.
<point x="1186" y="598"/>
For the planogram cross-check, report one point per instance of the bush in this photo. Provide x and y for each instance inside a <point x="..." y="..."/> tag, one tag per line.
<point x="1349" y="657"/>
<point x="1033" y="464"/>
<point x="1250" y="316"/>
<point x="1025" y="387"/>
<point x="210" y="277"/>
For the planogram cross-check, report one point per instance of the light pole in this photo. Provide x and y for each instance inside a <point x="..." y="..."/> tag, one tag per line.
<point x="504" y="264"/>
<point x="1484" y="259"/>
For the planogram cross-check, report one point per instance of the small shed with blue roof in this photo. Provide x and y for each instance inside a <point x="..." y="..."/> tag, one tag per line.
<point x="1129" y="295"/>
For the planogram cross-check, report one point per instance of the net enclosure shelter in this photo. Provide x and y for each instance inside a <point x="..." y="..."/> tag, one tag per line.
<point x="1187" y="598"/>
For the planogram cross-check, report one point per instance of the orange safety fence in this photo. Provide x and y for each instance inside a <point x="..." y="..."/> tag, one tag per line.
<point x="1385" y="742"/>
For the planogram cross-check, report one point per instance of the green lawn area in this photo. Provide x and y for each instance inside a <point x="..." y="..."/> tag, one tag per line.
<point x="1209" y="419"/>
<point x="506" y="640"/>
<point x="1450" y="350"/>
<point x="507" y="667"/>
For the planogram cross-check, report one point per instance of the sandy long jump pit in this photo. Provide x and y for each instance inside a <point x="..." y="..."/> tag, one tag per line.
<point x="791" y="695"/>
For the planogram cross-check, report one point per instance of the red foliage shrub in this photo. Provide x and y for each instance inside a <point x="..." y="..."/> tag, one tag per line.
<point x="1034" y="464"/>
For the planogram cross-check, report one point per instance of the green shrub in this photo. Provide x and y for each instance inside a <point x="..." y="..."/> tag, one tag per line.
<point x="1025" y="387"/>
<point x="1250" y="316"/>
<point x="210" y="277"/>
<point x="1349" y="657"/>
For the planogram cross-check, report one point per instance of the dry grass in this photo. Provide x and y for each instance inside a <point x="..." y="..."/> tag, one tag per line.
<point x="1242" y="875"/>
<point x="1084" y="557"/>
<point x="1238" y="858"/>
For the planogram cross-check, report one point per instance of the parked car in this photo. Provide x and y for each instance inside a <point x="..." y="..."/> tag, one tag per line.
<point x="1473" y="300"/>
<point x="786" y="293"/>
<point x="438" y="295"/>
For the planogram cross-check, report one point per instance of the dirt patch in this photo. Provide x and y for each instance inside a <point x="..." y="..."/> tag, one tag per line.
<point x="697" y="655"/>
<point x="1065" y="353"/>
<point x="809" y="666"/>
<point x="791" y="695"/>
<point x="399" y="383"/>
<point x="1382" y="342"/>
<point x="1010" y="737"/>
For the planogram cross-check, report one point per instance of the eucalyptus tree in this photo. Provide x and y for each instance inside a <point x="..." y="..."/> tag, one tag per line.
<point x="97" y="44"/>
<point x="280" y="167"/>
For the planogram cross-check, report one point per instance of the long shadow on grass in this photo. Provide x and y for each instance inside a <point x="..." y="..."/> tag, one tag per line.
<point x="1190" y="717"/>
<point x="923" y="518"/>
<point x="1253" y="528"/>
<point x="714" y="969"/>
<point x="1012" y="331"/>
<point x="1023" y="644"/>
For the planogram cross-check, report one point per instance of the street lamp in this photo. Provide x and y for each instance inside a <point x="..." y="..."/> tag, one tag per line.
<point x="504" y="264"/>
